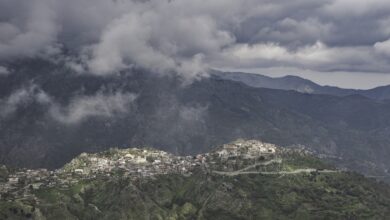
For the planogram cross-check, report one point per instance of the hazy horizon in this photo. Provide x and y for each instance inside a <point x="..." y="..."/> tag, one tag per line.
<point x="362" y="81"/>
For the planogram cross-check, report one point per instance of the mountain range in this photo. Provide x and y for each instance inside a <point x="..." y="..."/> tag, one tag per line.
<point x="50" y="114"/>
<point x="302" y="85"/>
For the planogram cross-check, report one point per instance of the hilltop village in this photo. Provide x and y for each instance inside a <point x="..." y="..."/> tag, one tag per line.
<point x="135" y="163"/>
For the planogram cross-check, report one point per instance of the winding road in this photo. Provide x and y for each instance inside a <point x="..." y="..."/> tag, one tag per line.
<point x="245" y="172"/>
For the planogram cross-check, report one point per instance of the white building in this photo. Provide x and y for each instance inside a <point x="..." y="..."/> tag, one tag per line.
<point x="79" y="171"/>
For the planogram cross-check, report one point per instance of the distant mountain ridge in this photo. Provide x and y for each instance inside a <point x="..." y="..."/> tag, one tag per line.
<point x="302" y="85"/>
<point x="49" y="114"/>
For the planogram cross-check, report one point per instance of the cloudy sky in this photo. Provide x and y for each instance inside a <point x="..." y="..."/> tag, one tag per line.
<point x="337" y="42"/>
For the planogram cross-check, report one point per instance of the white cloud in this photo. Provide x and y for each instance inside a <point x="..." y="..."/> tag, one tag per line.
<point x="22" y="96"/>
<point x="79" y="108"/>
<point x="31" y="30"/>
<point x="383" y="47"/>
<point x="4" y="71"/>
<point x="99" y="105"/>
<point x="258" y="51"/>
<point x="187" y="36"/>
<point x="163" y="42"/>
<point x="318" y="57"/>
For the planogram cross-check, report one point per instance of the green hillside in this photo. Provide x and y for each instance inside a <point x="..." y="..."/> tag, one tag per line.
<point x="252" y="184"/>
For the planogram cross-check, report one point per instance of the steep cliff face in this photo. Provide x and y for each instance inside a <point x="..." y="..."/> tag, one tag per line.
<point x="240" y="180"/>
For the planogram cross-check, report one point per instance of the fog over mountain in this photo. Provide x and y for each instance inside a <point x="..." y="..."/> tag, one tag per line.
<point x="171" y="109"/>
<point x="50" y="114"/>
<point x="84" y="75"/>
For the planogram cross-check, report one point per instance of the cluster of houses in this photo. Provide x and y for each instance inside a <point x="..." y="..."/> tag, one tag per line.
<point x="134" y="163"/>
<point x="22" y="182"/>
<point x="246" y="150"/>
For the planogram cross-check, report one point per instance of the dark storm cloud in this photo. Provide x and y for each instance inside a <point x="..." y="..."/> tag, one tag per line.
<point x="188" y="36"/>
<point x="27" y="28"/>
